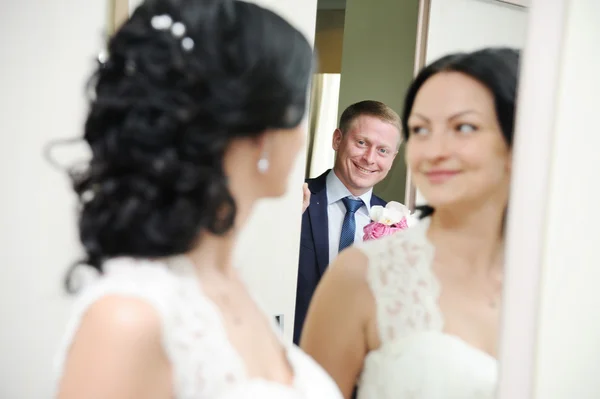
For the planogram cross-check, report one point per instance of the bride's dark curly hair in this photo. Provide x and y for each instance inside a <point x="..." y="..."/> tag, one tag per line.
<point x="162" y="114"/>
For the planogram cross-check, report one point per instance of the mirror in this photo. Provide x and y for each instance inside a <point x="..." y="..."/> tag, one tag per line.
<point x="450" y="324"/>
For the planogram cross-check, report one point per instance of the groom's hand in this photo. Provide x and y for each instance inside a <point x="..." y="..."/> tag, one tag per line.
<point x="305" y="197"/>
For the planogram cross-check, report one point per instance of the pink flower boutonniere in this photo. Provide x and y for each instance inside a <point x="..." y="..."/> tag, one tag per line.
<point x="386" y="221"/>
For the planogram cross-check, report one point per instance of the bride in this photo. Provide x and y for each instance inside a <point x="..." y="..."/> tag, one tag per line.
<point x="415" y="315"/>
<point x="196" y="114"/>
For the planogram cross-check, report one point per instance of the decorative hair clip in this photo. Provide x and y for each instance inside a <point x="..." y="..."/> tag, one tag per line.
<point x="103" y="57"/>
<point x="130" y="65"/>
<point x="165" y="22"/>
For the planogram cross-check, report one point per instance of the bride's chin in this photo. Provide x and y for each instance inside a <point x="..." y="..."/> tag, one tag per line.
<point x="442" y="204"/>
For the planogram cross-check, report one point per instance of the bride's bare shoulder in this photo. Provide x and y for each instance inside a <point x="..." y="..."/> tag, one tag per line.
<point x="340" y="311"/>
<point x="349" y="269"/>
<point x="118" y="340"/>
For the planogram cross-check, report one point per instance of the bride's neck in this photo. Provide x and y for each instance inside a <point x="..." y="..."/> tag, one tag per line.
<point x="214" y="252"/>
<point x="475" y="235"/>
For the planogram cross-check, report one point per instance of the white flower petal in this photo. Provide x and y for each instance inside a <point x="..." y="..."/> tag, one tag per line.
<point x="395" y="205"/>
<point x="401" y="208"/>
<point x="394" y="215"/>
<point x="376" y="213"/>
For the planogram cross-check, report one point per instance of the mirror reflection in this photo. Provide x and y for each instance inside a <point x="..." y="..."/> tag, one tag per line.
<point x="415" y="314"/>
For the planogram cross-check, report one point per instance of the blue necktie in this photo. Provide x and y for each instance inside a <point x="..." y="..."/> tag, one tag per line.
<point x="349" y="225"/>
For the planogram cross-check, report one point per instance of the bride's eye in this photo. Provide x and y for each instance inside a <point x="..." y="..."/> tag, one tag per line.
<point x="418" y="131"/>
<point x="466" y="128"/>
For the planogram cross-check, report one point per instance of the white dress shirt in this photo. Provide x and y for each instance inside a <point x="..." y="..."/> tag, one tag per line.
<point x="336" y="210"/>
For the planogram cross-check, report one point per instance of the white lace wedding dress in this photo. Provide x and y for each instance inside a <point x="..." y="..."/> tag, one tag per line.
<point x="417" y="360"/>
<point x="204" y="363"/>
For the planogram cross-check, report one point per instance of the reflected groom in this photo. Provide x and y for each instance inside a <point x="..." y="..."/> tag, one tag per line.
<point x="366" y="143"/>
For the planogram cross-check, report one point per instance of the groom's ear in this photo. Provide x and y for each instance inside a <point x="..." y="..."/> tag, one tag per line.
<point x="337" y="139"/>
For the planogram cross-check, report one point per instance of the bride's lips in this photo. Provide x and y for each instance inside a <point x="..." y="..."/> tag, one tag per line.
<point x="440" y="176"/>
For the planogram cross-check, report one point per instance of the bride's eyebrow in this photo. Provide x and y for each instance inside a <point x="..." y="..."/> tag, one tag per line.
<point x="463" y="113"/>
<point x="420" y="116"/>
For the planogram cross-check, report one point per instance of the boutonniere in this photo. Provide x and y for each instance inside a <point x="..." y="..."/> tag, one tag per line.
<point x="387" y="221"/>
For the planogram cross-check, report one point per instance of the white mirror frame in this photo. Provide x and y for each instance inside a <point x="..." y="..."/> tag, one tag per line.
<point x="520" y="3"/>
<point x="532" y="156"/>
<point x="410" y="194"/>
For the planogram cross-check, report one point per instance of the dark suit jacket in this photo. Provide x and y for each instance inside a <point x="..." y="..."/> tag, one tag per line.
<point x="314" y="248"/>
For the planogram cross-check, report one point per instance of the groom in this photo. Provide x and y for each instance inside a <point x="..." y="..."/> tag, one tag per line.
<point x="337" y="203"/>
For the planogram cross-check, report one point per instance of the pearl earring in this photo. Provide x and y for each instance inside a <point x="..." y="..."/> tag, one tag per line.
<point x="263" y="164"/>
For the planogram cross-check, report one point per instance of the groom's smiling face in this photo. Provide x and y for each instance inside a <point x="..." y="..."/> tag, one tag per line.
<point x="365" y="153"/>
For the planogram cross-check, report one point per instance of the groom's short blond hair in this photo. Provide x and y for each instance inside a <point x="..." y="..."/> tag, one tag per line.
<point x="372" y="108"/>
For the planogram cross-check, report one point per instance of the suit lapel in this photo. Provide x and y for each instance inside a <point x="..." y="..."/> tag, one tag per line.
<point x="319" y="220"/>
<point x="320" y="228"/>
<point x="375" y="200"/>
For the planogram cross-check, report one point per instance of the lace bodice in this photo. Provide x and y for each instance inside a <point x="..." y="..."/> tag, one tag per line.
<point x="204" y="364"/>
<point x="416" y="359"/>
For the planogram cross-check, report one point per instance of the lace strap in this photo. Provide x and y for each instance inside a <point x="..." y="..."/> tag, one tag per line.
<point x="403" y="285"/>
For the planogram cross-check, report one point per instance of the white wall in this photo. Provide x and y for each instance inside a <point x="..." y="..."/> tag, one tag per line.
<point x="468" y="25"/>
<point x="48" y="49"/>
<point x="269" y="248"/>
<point x="568" y="349"/>
<point x="47" y="52"/>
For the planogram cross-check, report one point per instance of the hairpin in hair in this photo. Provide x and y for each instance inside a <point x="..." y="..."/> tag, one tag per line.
<point x="103" y="57"/>
<point x="165" y="22"/>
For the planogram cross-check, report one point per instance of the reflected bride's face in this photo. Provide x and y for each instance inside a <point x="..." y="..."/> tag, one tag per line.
<point x="455" y="148"/>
